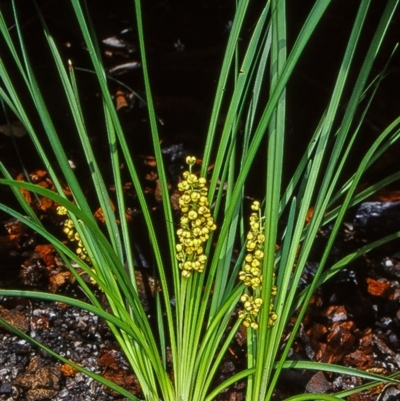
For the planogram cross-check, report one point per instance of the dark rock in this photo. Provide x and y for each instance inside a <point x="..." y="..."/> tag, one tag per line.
<point x="6" y="388"/>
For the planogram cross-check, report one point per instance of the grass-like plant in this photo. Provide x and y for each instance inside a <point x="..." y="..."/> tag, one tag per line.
<point x="215" y="290"/>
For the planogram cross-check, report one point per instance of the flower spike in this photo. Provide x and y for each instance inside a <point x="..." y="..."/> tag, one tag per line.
<point x="251" y="274"/>
<point x="196" y="222"/>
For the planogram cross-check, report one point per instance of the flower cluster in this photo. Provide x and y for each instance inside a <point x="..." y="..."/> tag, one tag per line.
<point x="73" y="235"/>
<point x="251" y="275"/>
<point x="196" y="222"/>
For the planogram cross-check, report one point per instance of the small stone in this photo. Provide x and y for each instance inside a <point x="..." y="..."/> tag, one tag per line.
<point x="336" y="313"/>
<point x="318" y="384"/>
<point x="6" y="388"/>
<point x="388" y="263"/>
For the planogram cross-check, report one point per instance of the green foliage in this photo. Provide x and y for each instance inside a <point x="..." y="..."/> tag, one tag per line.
<point x="202" y="323"/>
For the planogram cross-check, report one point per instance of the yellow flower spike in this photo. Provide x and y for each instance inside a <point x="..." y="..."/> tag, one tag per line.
<point x="196" y="221"/>
<point x="73" y="236"/>
<point x="251" y="274"/>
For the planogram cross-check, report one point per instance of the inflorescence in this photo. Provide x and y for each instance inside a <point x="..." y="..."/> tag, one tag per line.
<point x="73" y="235"/>
<point x="196" y="222"/>
<point x="251" y="275"/>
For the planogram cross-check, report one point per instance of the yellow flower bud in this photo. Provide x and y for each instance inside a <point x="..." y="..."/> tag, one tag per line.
<point x="258" y="301"/>
<point x="244" y="297"/>
<point x="61" y="210"/>
<point x="186" y="273"/>
<point x="191" y="179"/>
<point x="254" y="325"/>
<point x="259" y="254"/>
<point x="184" y="221"/>
<point x="203" y="200"/>
<point x="183" y="186"/>
<point x="69" y="223"/>
<point x="195" y="196"/>
<point x="190" y="160"/>
<point x="192" y="215"/>
<point x="247" y="305"/>
<point x="251" y="245"/>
